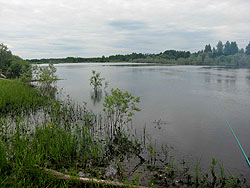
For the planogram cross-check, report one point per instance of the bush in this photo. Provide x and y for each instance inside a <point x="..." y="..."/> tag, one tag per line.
<point x="13" y="66"/>
<point x="96" y="80"/>
<point x="119" y="108"/>
<point x="45" y="74"/>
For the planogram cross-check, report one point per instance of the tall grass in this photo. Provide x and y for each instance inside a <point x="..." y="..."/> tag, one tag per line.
<point x="16" y="97"/>
<point x="61" y="135"/>
<point x="23" y="153"/>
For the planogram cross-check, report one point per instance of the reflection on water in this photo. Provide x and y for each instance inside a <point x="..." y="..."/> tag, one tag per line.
<point x="188" y="103"/>
<point x="248" y="78"/>
<point x="96" y="96"/>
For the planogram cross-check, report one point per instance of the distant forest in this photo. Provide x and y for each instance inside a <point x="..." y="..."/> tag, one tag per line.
<point x="223" y="54"/>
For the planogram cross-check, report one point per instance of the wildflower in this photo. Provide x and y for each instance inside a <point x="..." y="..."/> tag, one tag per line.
<point x="50" y="126"/>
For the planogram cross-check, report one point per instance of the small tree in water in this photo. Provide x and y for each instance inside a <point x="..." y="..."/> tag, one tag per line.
<point x="119" y="108"/>
<point x="46" y="75"/>
<point x="96" y="80"/>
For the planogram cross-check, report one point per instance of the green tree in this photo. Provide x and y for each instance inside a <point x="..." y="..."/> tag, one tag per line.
<point x="234" y="48"/>
<point x="214" y="52"/>
<point x="19" y="68"/>
<point x="227" y="49"/>
<point x="241" y="51"/>
<point x="247" y="51"/>
<point x="96" y="80"/>
<point x="70" y="60"/>
<point x="219" y="49"/>
<point x="5" y="58"/>
<point x="13" y="66"/>
<point x="103" y="59"/>
<point x="208" y="48"/>
<point x="45" y="74"/>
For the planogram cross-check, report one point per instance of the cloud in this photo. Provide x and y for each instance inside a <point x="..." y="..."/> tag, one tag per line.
<point x="127" y="25"/>
<point x="61" y="28"/>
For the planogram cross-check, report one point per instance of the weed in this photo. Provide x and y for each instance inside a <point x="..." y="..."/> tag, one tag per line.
<point x="197" y="174"/>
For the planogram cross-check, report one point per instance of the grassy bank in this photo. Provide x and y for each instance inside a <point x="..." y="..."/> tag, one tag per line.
<point x="53" y="134"/>
<point x="16" y="96"/>
<point x="67" y="137"/>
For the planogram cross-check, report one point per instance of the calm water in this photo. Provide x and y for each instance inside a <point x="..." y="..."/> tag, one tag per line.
<point x="189" y="102"/>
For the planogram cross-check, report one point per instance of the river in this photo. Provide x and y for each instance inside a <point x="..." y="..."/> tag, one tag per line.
<point x="184" y="107"/>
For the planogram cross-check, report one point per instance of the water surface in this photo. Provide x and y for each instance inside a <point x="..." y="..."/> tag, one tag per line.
<point x="190" y="104"/>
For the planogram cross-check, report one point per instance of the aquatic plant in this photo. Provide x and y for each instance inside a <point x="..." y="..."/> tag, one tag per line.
<point x="96" y="80"/>
<point x="119" y="107"/>
<point x="197" y="174"/>
<point x="212" y="170"/>
<point x="61" y="135"/>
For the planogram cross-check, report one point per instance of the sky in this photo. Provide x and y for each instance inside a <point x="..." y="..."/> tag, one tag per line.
<point x="92" y="28"/>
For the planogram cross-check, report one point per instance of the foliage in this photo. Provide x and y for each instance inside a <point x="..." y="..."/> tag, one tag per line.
<point x="227" y="48"/>
<point x="5" y="57"/>
<point x="47" y="146"/>
<point x="173" y="54"/>
<point x="168" y="54"/>
<point x="57" y="141"/>
<point x="234" y="48"/>
<point x="212" y="170"/>
<point x="208" y="56"/>
<point x="96" y="80"/>
<point x="119" y="108"/>
<point x="168" y="176"/>
<point x="19" y="69"/>
<point x="13" y="66"/>
<point x="208" y="48"/>
<point x="45" y="74"/>
<point x="219" y="48"/>
<point x="62" y="135"/>
<point x="248" y="49"/>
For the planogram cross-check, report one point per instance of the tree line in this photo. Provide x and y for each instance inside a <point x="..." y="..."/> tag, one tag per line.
<point x="229" y="54"/>
<point x="221" y="54"/>
<point x="229" y="48"/>
<point x="14" y="67"/>
<point x="169" y="54"/>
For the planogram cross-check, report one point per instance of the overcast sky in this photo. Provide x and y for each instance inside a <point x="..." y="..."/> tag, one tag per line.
<point x="90" y="28"/>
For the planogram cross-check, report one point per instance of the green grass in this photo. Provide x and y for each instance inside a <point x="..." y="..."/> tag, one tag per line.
<point x="16" y="97"/>
<point x="59" y="136"/>
<point x="52" y="147"/>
